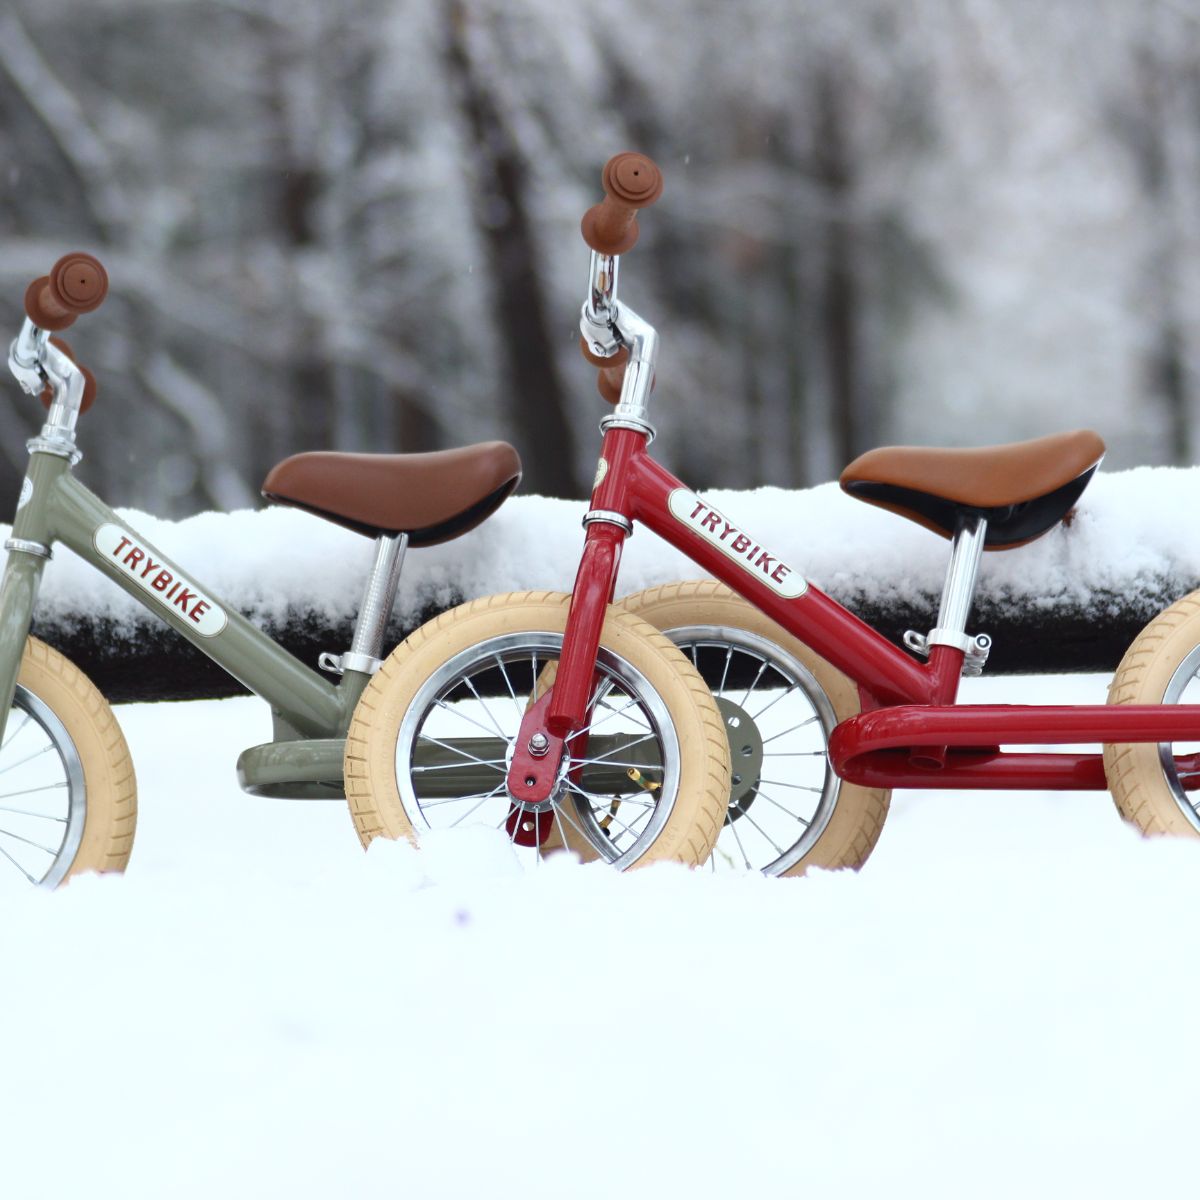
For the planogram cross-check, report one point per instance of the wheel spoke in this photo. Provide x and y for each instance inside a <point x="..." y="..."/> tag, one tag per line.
<point x="483" y="762"/>
<point x="786" y="692"/>
<point x="16" y="864"/>
<point x="458" y="799"/>
<point x="754" y="683"/>
<point x="794" y="816"/>
<point x="25" y="719"/>
<point x="603" y="758"/>
<point x="24" y="812"/>
<point x="747" y="817"/>
<point x="561" y="808"/>
<point x="488" y="711"/>
<point x="799" y="787"/>
<point x="802" y="725"/>
<point x="725" y="673"/>
<point x="508" y="684"/>
<point x="737" y="837"/>
<point x="609" y="762"/>
<point x="16" y="837"/>
<point x="562" y="833"/>
<point x="612" y="816"/>
<point x="458" y="712"/>
<point x="28" y="758"/>
<point x="478" y="806"/>
<point x="611" y="713"/>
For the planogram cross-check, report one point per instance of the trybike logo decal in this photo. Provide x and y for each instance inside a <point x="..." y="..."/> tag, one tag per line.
<point x="164" y="584"/>
<point x="768" y="568"/>
<point x="601" y="471"/>
<point x="26" y="493"/>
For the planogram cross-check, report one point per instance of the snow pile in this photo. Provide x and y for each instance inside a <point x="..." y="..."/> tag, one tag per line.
<point x="1132" y="535"/>
<point x="995" y="1006"/>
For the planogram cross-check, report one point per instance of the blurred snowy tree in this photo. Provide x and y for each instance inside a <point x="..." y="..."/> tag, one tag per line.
<point x="354" y="223"/>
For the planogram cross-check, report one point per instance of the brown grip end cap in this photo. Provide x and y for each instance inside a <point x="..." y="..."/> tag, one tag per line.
<point x="79" y="282"/>
<point x="632" y="179"/>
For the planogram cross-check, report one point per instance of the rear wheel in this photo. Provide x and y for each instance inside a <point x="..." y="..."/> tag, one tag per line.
<point x="432" y="735"/>
<point x="780" y="702"/>
<point x="68" y="796"/>
<point x="1162" y="666"/>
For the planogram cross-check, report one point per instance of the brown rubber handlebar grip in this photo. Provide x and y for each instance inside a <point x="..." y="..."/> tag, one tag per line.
<point x="631" y="182"/>
<point x="77" y="284"/>
<point x="89" y="380"/>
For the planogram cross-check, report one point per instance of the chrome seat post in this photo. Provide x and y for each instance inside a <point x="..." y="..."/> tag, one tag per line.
<point x="379" y="597"/>
<point x="958" y="593"/>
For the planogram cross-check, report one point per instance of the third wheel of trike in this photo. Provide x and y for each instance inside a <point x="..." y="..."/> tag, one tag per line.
<point x="646" y="779"/>
<point x="1157" y="785"/>
<point x="779" y="702"/>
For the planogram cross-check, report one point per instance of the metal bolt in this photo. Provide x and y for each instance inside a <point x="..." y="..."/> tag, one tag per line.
<point x="539" y="743"/>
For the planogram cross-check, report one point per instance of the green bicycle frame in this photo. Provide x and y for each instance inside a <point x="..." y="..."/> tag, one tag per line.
<point x="56" y="508"/>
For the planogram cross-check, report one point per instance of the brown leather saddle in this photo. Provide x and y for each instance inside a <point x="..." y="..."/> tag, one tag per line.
<point x="431" y="497"/>
<point x="1022" y="489"/>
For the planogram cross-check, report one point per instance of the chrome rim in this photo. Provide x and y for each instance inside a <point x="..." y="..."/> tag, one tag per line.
<point x="778" y="719"/>
<point x="43" y="804"/>
<point x="484" y="691"/>
<point x="1184" y="677"/>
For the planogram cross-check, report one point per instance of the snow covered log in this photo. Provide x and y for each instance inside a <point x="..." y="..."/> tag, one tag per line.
<point x="1069" y="602"/>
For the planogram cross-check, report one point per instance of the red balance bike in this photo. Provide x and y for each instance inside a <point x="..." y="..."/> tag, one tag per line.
<point x="558" y="719"/>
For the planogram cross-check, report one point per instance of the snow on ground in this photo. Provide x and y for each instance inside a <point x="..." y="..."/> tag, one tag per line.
<point x="995" y="1006"/>
<point x="264" y="563"/>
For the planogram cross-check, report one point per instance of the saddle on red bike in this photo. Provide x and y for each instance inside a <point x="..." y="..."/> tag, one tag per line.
<point x="1022" y="489"/>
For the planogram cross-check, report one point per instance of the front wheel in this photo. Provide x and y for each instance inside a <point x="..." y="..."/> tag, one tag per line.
<point x="1162" y="666"/>
<point x="429" y="743"/>
<point x="68" y="796"/>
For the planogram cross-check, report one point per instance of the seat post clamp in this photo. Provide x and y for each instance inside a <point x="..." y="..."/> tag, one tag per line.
<point x="975" y="649"/>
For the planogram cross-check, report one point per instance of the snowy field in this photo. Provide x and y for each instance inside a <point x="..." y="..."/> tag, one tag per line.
<point x="994" y="1007"/>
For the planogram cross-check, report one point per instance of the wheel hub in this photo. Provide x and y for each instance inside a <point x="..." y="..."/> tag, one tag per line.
<point x="745" y="757"/>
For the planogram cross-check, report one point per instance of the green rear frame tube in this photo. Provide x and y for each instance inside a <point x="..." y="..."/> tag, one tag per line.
<point x="58" y="508"/>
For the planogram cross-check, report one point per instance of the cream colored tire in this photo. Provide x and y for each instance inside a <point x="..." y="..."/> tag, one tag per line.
<point x="434" y="676"/>
<point x="1157" y="669"/>
<point x="850" y="817"/>
<point x="70" y="802"/>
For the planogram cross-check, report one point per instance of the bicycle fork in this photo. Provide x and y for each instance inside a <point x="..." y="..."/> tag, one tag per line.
<point x="542" y="741"/>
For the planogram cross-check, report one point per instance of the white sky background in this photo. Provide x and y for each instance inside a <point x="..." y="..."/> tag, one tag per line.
<point x="995" y="1006"/>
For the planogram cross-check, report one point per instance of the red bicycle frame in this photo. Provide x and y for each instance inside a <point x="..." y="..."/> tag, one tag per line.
<point x="910" y="732"/>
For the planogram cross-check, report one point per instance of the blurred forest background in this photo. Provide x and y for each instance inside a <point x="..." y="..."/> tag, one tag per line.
<point x="353" y="224"/>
